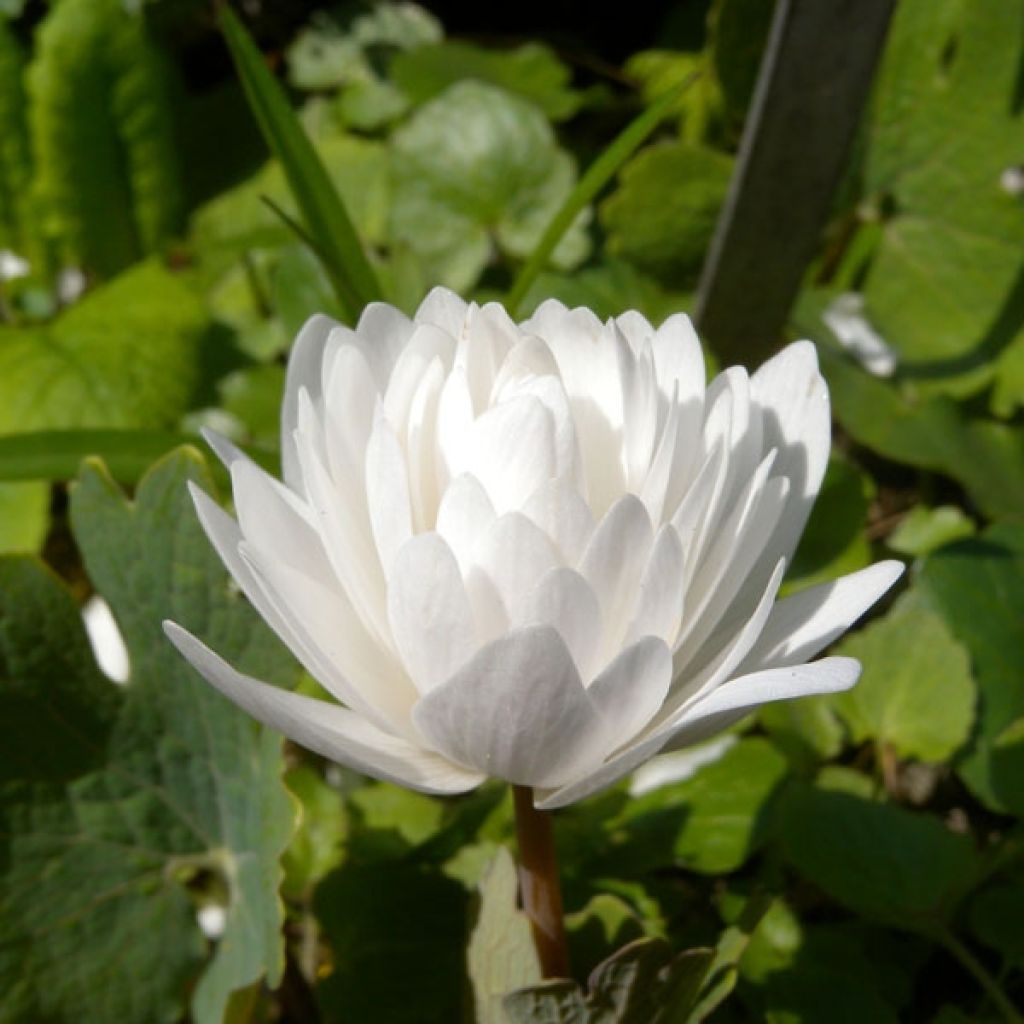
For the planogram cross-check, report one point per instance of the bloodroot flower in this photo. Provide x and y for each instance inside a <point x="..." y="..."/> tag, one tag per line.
<point x="540" y="552"/>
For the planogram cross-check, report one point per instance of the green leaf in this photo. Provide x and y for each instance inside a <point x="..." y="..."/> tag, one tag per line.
<point x="175" y="791"/>
<point x="936" y="433"/>
<point x="738" y="31"/>
<point x="664" y="211"/>
<point x="397" y="932"/>
<point x="834" y="541"/>
<point x="475" y="167"/>
<point x="712" y="820"/>
<point x="978" y="587"/>
<point x="127" y="355"/>
<point x="102" y="128"/>
<point x="24" y="516"/>
<point x="599" y="928"/>
<point x="501" y="955"/>
<point x="606" y="288"/>
<point x="831" y="978"/>
<point x="945" y="286"/>
<point x="323" y="211"/>
<point x="916" y="694"/>
<point x="640" y="984"/>
<point x="17" y="231"/>
<point x="722" y="969"/>
<point x="598" y="174"/>
<point x="805" y="730"/>
<point x="923" y="530"/>
<point x="995" y="916"/>
<point x="904" y="869"/>
<point x="531" y="71"/>
<point x="254" y="396"/>
<point x="317" y="846"/>
<point x="240" y="219"/>
<point x="698" y="105"/>
<point x="56" y="706"/>
<point x="323" y="55"/>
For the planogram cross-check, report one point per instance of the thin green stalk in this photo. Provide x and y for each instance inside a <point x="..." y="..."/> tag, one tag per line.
<point x="598" y="174"/>
<point x="973" y="966"/>
<point x="323" y="211"/>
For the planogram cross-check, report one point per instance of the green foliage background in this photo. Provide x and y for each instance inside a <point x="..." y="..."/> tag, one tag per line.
<point x="854" y="858"/>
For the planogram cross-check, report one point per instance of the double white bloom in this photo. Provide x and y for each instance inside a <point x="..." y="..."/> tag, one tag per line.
<point x="539" y="552"/>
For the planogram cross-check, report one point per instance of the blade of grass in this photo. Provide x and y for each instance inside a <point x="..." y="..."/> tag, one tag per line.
<point x="323" y="211"/>
<point x="342" y="289"/>
<point x="598" y="174"/>
<point x="57" y="454"/>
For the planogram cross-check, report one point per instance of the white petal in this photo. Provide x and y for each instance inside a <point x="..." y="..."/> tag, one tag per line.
<point x="305" y="365"/>
<point x="444" y="309"/>
<point x="725" y="706"/>
<point x="804" y="624"/>
<point x="421" y="445"/>
<point x="382" y="333"/>
<point x="489" y="334"/>
<point x="342" y="527"/>
<point x="350" y="397"/>
<point x="678" y="360"/>
<point x="731" y="701"/>
<point x="517" y="711"/>
<point x="563" y="599"/>
<point x="514" y="555"/>
<point x="723" y="652"/>
<point x="271" y="517"/>
<point x="793" y="399"/>
<point x="613" y="563"/>
<point x="513" y="451"/>
<point x="329" y="661"/>
<point x="629" y="692"/>
<point x="560" y="511"/>
<point x="728" y="564"/>
<point x="350" y="663"/>
<point x="454" y="427"/>
<point x="387" y="490"/>
<point x="426" y="344"/>
<point x="659" y="605"/>
<point x="324" y="728"/>
<point x="463" y="517"/>
<point x="430" y="617"/>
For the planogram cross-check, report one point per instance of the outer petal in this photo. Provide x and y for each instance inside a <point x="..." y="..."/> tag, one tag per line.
<point x="723" y="707"/>
<point x="630" y="690"/>
<point x="327" y="729"/>
<point x="732" y="700"/>
<point x="613" y="563"/>
<point x="430" y="617"/>
<point x="804" y="624"/>
<point x="563" y="599"/>
<point x="305" y="365"/>
<point x="387" y="490"/>
<point x="517" y="711"/>
<point x="793" y="399"/>
<point x="444" y="309"/>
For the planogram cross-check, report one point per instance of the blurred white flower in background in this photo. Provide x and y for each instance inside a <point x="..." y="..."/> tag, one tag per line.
<point x="540" y="552"/>
<point x="12" y="266"/>
<point x="847" y="320"/>
<point x="106" y="640"/>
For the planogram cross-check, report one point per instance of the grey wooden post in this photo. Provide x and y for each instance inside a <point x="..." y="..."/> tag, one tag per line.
<point x="814" y="79"/>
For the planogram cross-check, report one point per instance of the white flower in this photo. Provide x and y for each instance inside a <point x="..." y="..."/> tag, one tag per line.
<point x="539" y="552"/>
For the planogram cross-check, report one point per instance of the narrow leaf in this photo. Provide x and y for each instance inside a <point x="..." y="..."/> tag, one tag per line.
<point x="600" y="172"/>
<point x="57" y="454"/>
<point x="322" y="209"/>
